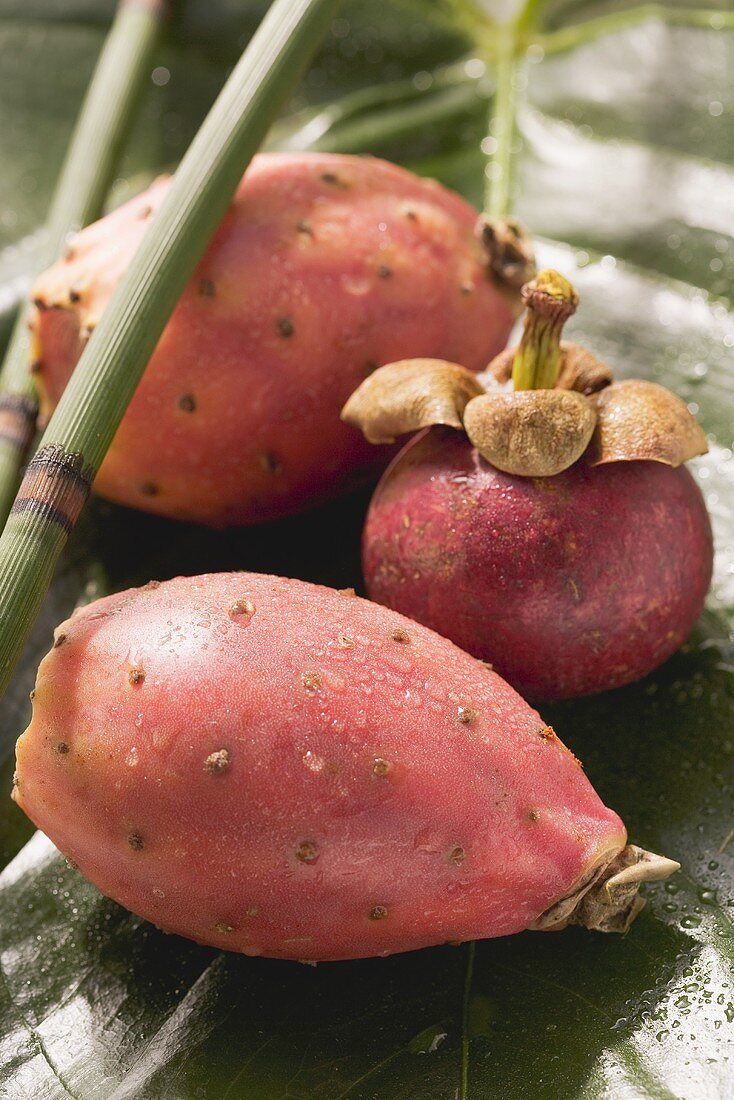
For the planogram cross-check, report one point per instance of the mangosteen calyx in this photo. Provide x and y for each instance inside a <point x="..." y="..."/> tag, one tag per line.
<point x="536" y="409"/>
<point x="409" y="395"/>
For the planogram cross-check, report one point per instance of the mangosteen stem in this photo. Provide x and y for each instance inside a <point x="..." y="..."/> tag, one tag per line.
<point x="550" y="300"/>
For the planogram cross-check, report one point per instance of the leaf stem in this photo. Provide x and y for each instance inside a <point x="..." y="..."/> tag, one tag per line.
<point x="380" y="113"/>
<point x="501" y="137"/>
<point x="81" y="429"/>
<point x="399" y="122"/>
<point x="106" y="115"/>
<point x="579" y="34"/>
<point x="465" y="1007"/>
<point x="504" y="46"/>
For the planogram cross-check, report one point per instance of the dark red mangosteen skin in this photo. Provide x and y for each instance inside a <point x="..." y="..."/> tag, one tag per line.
<point x="568" y="585"/>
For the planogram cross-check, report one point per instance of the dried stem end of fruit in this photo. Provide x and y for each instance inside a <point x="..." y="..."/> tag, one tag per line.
<point x="641" y="421"/>
<point x="509" y="252"/>
<point x="534" y="433"/>
<point x="550" y="300"/>
<point x="607" y="899"/>
<point x="409" y="395"/>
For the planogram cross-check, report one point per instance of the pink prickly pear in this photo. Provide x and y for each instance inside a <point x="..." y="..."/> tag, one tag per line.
<point x="282" y="769"/>
<point x="324" y="267"/>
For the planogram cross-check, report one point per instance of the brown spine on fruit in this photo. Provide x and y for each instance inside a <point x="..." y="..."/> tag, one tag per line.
<point x="17" y="420"/>
<point x="607" y="899"/>
<point x="55" y="487"/>
<point x="509" y="252"/>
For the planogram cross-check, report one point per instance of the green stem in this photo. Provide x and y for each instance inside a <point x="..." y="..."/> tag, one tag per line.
<point x="508" y="247"/>
<point x="81" y="429"/>
<point x="505" y="47"/>
<point x="377" y="114"/>
<point x="502" y="127"/>
<point x="550" y="300"/>
<point x="107" y="112"/>
<point x="465" y="1010"/>
<point x="569" y="38"/>
<point x="400" y="122"/>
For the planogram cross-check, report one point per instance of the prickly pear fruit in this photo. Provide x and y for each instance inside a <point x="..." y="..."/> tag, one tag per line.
<point x="324" y="267"/>
<point x="282" y="769"/>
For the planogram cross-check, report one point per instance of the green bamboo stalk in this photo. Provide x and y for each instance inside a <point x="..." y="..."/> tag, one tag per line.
<point x="57" y="481"/>
<point x="86" y="175"/>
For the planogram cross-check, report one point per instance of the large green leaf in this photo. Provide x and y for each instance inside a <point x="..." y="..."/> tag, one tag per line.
<point x="625" y="174"/>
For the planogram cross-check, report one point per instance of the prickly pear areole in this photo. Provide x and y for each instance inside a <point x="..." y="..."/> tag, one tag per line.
<point x="325" y="267"/>
<point x="551" y="528"/>
<point x="283" y="769"/>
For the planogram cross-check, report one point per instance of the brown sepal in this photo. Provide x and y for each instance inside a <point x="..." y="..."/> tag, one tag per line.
<point x="580" y="370"/>
<point x="408" y="395"/>
<point x="642" y="421"/>
<point x="533" y="433"/>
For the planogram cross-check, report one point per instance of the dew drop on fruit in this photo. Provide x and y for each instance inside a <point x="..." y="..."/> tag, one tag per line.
<point x="358" y="285"/>
<point x="242" y="611"/>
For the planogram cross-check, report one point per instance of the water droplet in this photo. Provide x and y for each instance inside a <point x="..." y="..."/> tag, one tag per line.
<point x="357" y="285"/>
<point x="475" y="68"/>
<point x="241" y="611"/>
<point x="313" y="762"/>
<point x="428" y="1041"/>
